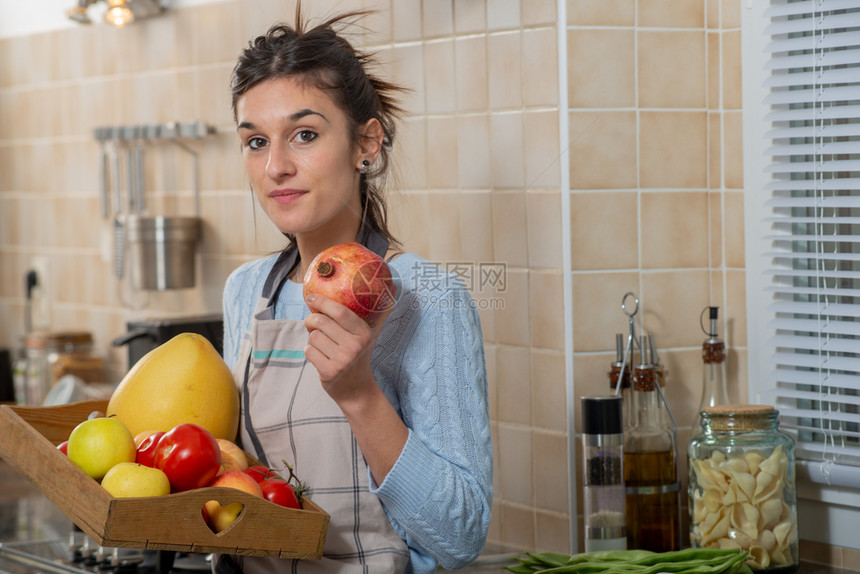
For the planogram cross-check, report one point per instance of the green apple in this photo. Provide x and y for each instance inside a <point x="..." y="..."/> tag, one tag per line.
<point x="97" y="444"/>
<point x="130" y="479"/>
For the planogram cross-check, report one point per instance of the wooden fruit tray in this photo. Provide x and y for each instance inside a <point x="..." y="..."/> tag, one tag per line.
<point x="28" y="439"/>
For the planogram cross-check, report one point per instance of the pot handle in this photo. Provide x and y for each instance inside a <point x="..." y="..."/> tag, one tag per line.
<point x="131" y="336"/>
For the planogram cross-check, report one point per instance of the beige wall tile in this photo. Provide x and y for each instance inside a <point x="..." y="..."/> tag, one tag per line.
<point x="476" y="231"/>
<point x="510" y="229"/>
<point x="715" y="229"/>
<point x="550" y="463"/>
<point x="671" y="13"/>
<point x="552" y="532"/>
<point x="540" y="67"/>
<point x="442" y="152"/>
<point x="590" y="374"/>
<point x="473" y="150"/>
<point x="544" y="229"/>
<point x="505" y="70"/>
<point x="601" y="12"/>
<point x="546" y="305"/>
<point x="820" y="553"/>
<point x="596" y="308"/>
<point x="512" y="319"/>
<point x="592" y="136"/>
<point x="674" y="230"/>
<point x="444" y="221"/>
<point x="851" y="558"/>
<point x="406" y="20"/>
<point x="407" y="69"/>
<point x="604" y="230"/>
<point x="437" y="19"/>
<point x="712" y="14"/>
<point x="504" y="14"/>
<point x="537" y="12"/>
<point x="549" y="392"/>
<point x="683" y="388"/>
<point x="517" y="526"/>
<point x="714" y="56"/>
<point x="542" y="156"/>
<point x="671" y="68"/>
<point x="736" y="308"/>
<point x="507" y="168"/>
<point x="515" y="476"/>
<point x="715" y="150"/>
<point x="514" y="386"/>
<point x="471" y="71"/>
<point x="470" y="17"/>
<point x="733" y="166"/>
<point x="730" y="12"/>
<point x="213" y="101"/>
<point x="671" y="302"/>
<point x="603" y="81"/>
<point x="410" y="155"/>
<point x="734" y="229"/>
<point x="673" y="149"/>
<point x="440" y="80"/>
<point x="731" y="62"/>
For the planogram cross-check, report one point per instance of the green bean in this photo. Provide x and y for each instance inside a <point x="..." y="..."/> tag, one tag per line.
<point x="687" y="561"/>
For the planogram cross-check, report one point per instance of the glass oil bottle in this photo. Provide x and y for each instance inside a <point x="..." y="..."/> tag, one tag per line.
<point x="603" y="488"/>
<point x="651" y="479"/>
<point x="714" y="384"/>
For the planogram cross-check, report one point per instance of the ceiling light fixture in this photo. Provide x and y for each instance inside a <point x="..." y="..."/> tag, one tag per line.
<point x="118" y="13"/>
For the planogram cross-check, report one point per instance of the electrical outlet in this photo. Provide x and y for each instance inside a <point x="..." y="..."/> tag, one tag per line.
<point x="40" y="307"/>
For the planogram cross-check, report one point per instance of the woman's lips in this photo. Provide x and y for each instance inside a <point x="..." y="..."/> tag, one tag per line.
<point x="284" y="196"/>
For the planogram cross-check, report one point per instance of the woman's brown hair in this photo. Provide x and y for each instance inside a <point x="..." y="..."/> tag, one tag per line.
<point x="325" y="60"/>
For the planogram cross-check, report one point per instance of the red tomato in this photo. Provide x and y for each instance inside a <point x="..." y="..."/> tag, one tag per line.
<point x="189" y="455"/>
<point x="146" y="450"/>
<point x="259" y="473"/>
<point x="280" y="492"/>
<point x="63" y="447"/>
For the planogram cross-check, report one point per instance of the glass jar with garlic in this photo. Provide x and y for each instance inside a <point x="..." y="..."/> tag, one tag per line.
<point x="742" y="491"/>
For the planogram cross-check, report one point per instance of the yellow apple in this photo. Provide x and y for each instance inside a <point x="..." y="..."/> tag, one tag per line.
<point x="97" y="444"/>
<point x="220" y="517"/>
<point x="232" y="456"/>
<point x="130" y="479"/>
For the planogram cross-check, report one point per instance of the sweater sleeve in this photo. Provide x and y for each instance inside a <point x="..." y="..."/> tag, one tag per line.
<point x="438" y="495"/>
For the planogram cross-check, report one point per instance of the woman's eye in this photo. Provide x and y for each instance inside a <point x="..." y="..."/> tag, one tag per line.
<point x="256" y="143"/>
<point x="305" y="136"/>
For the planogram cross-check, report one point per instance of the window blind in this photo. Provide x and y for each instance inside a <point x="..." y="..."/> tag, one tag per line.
<point x="812" y="78"/>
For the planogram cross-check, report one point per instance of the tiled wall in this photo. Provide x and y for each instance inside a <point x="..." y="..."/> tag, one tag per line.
<point x="654" y="170"/>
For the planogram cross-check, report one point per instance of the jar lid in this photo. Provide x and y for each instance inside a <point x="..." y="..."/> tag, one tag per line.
<point x="602" y="415"/>
<point x="740" y="417"/>
<point x="739" y="409"/>
<point x="44" y="339"/>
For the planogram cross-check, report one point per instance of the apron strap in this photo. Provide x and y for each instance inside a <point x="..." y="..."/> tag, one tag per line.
<point x="277" y="278"/>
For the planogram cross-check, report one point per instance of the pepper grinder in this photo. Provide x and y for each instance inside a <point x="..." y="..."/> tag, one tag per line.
<point x="603" y="489"/>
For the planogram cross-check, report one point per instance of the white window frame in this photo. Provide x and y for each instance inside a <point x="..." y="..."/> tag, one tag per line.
<point x="828" y="513"/>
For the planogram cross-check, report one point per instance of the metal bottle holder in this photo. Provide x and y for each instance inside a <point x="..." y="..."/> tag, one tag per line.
<point x="161" y="249"/>
<point x="633" y="339"/>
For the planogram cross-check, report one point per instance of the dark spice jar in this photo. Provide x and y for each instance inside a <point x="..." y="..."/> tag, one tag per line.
<point x="742" y="490"/>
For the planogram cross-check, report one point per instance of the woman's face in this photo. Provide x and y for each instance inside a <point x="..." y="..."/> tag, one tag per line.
<point x="301" y="158"/>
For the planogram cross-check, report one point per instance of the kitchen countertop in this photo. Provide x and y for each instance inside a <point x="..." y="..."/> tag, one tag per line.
<point x="26" y="515"/>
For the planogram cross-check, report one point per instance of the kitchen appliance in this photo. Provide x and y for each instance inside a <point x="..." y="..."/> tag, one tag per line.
<point x="147" y="334"/>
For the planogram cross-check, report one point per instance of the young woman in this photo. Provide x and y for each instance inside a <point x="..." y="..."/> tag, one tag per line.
<point x="386" y="424"/>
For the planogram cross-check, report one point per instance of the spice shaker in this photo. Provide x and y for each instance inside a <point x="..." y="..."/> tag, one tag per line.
<point x="603" y="489"/>
<point x="741" y="488"/>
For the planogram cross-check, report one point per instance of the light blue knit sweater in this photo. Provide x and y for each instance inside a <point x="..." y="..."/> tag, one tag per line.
<point x="429" y="362"/>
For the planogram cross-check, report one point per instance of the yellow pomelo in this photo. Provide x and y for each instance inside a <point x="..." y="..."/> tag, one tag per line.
<point x="184" y="380"/>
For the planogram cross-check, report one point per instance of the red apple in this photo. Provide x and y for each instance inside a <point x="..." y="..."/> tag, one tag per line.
<point x="355" y="277"/>
<point x="232" y="456"/>
<point x="220" y="517"/>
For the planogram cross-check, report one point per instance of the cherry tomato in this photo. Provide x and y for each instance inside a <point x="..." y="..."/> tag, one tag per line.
<point x="259" y="473"/>
<point x="280" y="492"/>
<point x="189" y="455"/>
<point x="146" y="450"/>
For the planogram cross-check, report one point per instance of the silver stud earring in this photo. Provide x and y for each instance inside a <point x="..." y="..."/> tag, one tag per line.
<point x="364" y="165"/>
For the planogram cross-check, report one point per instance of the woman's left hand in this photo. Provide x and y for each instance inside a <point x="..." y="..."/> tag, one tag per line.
<point x="340" y="344"/>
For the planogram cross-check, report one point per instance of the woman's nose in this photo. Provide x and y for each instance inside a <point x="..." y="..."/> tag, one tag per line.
<point x="280" y="162"/>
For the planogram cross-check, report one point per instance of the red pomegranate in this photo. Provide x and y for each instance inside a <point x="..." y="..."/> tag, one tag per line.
<point x="355" y="277"/>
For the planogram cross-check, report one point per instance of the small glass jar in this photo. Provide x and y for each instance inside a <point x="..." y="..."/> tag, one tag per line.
<point x="742" y="490"/>
<point x="43" y="351"/>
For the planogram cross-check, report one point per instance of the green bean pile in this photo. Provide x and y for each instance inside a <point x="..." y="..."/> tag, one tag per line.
<point x="687" y="561"/>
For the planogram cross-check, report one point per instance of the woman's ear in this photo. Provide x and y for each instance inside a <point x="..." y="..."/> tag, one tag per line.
<point x="370" y="137"/>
